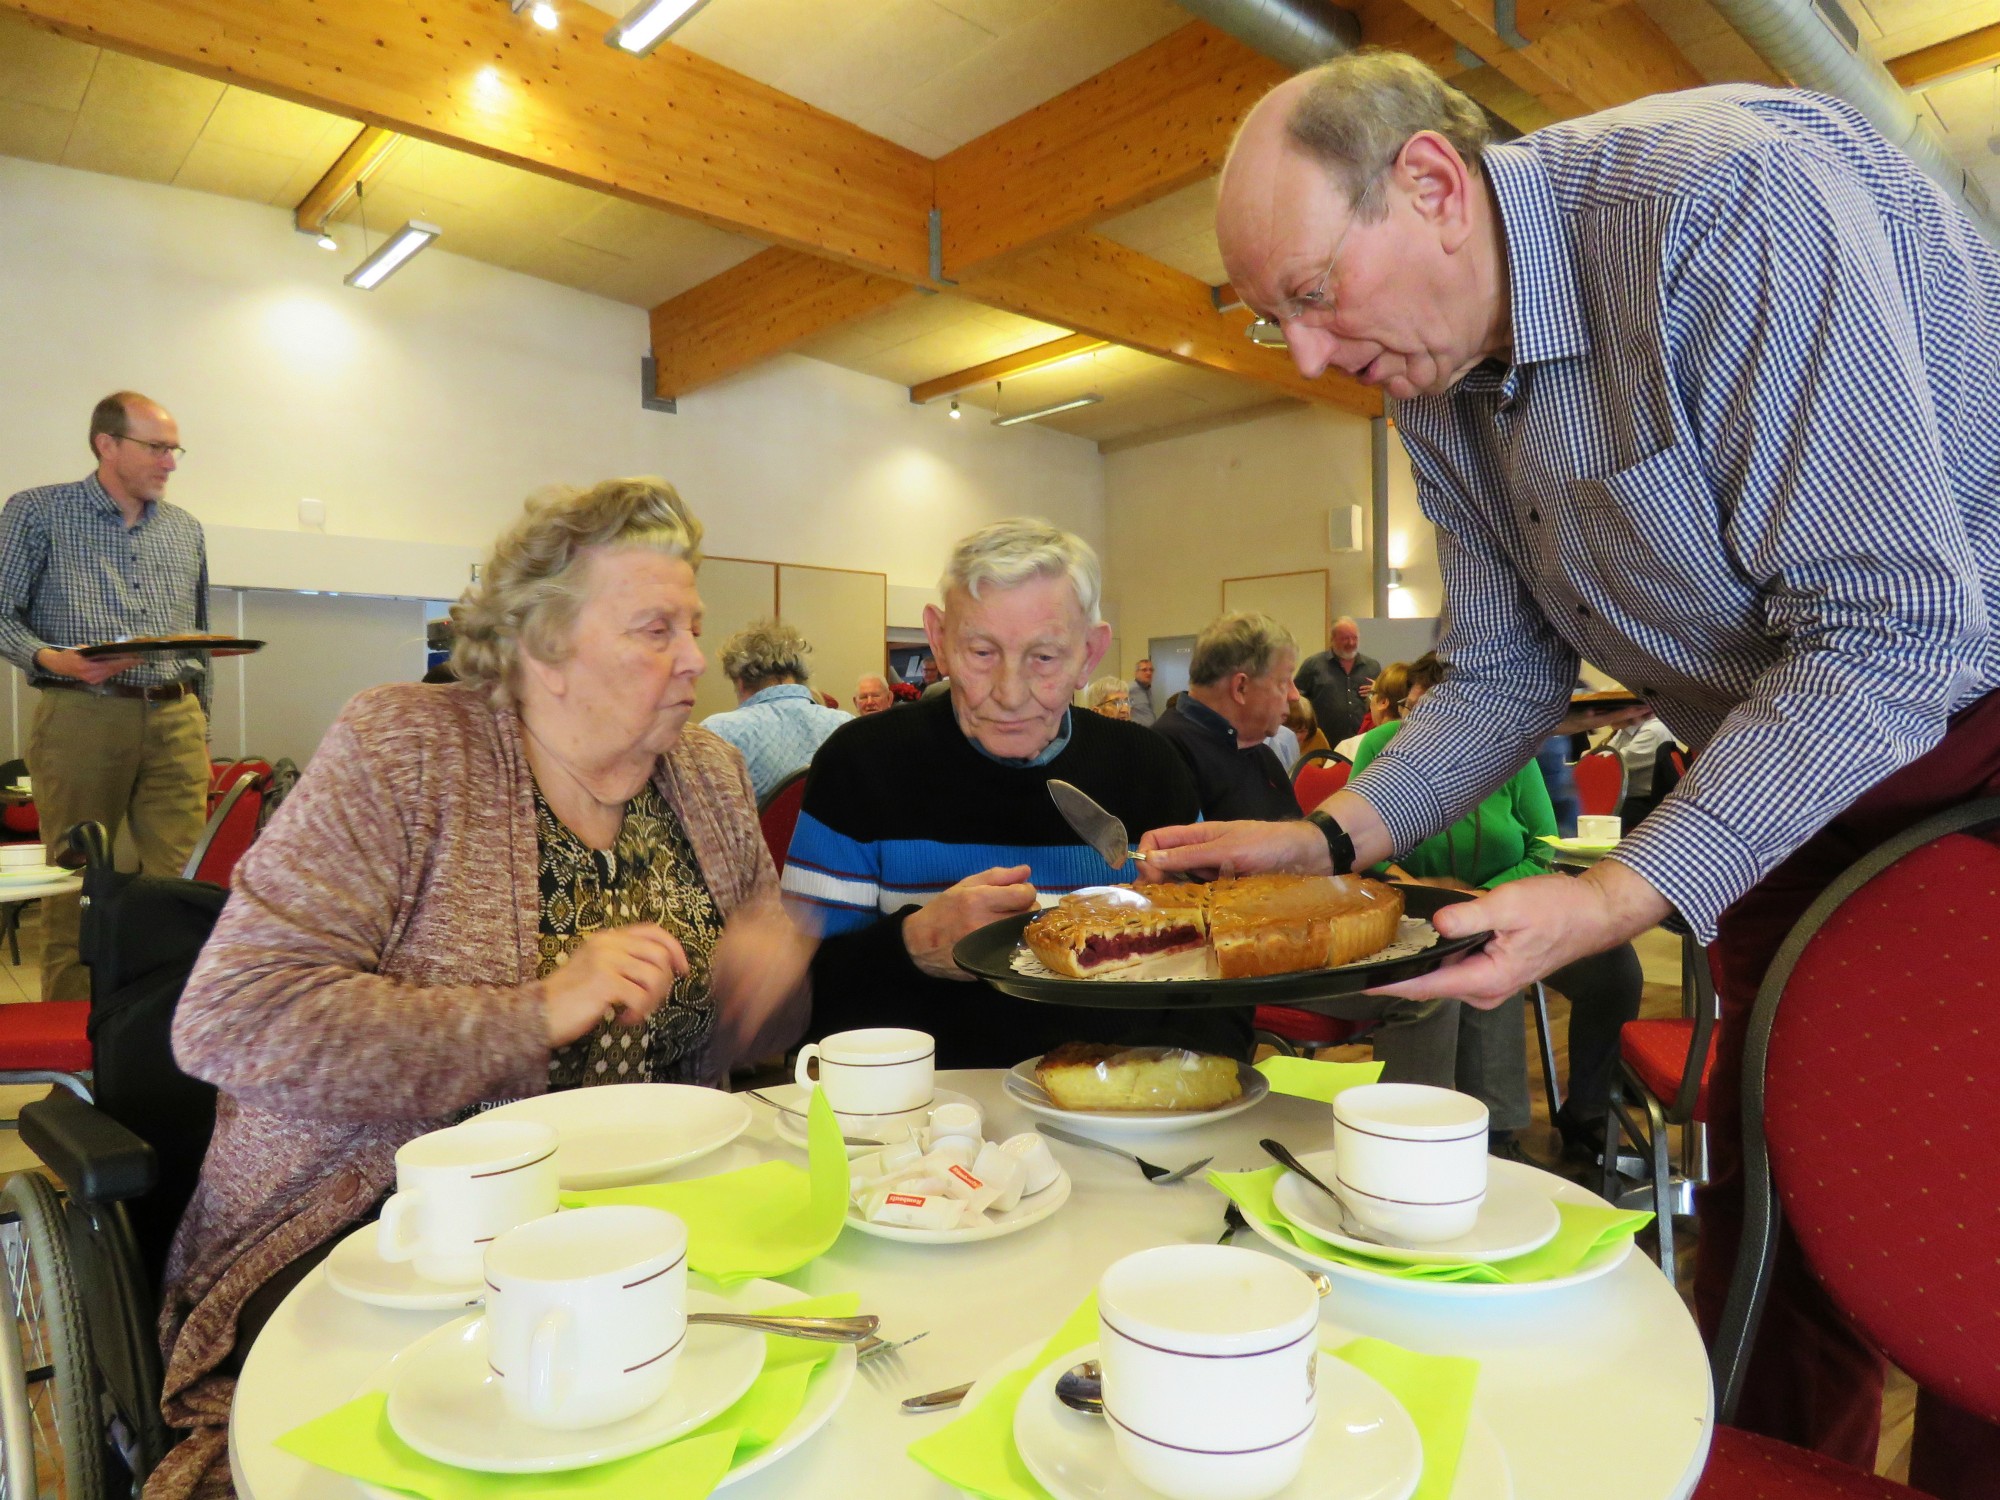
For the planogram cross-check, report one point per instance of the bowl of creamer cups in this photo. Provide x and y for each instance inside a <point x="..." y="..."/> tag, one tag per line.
<point x="1410" y="1160"/>
<point x="1207" y="1354"/>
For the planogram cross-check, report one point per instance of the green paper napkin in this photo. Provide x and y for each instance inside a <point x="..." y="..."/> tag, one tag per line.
<point x="758" y="1221"/>
<point x="1436" y="1390"/>
<point x="356" y="1439"/>
<point x="976" y="1452"/>
<point x="1584" y="1228"/>
<point x="1307" y="1078"/>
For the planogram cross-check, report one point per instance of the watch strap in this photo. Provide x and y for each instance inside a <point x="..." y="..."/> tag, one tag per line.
<point x="1339" y="847"/>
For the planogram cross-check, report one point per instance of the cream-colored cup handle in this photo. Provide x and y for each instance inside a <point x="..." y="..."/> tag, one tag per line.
<point x="551" y="1355"/>
<point x="396" y="1236"/>
<point x="806" y="1054"/>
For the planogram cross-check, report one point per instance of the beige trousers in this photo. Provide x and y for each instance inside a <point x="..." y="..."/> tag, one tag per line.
<point x="119" y="762"/>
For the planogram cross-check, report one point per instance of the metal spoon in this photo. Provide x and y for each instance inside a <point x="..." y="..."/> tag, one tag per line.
<point x="1349" y="1225"/>
<point x="1081" y="1388"/>
<point x="818" y="1330"/>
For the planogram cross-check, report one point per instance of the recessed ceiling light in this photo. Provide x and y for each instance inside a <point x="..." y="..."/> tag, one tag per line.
<point x="648" y="24"/>
<point x="398" y="248"/>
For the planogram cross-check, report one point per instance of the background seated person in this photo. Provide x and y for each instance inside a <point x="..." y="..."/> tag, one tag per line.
<point x="921" y="825"/>
<point x="778" y="721"/>
<point x="533" y="878"/>
<point x="1392" y="685"/>
<point x="1501" y="840"/>
<point x="1304" y="724"/>
<point x="872" y="695"/>
<point x="1643" y="747"/>
<point x="1239" y="682"/>
<point x="1109" y="696"/>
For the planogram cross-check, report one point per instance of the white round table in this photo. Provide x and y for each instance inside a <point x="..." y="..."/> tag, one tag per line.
<point x="33" y="890"/>
<point x="1593" y="1390"/>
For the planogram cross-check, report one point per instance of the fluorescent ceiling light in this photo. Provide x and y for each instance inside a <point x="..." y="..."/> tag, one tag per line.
<point x="648" y="24"/>
<point x="1047" y="411"/>
<point x="398" y="248"/>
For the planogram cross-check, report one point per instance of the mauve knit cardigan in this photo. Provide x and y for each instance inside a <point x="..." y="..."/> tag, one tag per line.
<point x="371" y="976"/>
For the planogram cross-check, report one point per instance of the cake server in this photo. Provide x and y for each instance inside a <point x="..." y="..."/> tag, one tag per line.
<point x="1092" y="824"/>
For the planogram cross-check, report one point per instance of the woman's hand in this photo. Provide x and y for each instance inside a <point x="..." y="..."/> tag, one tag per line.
<point x="758" y="978"/>
<point x="628" y="970"/>
<point x="930" y="933"/>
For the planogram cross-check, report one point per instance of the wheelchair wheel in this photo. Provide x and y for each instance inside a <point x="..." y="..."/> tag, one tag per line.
<point x="53" y="1395"/>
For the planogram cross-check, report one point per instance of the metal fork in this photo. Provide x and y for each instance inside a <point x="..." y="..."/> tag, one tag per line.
<point x="1157" y="1175"/>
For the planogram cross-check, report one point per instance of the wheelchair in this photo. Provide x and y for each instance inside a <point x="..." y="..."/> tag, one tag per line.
<point x="80" y="1380"/>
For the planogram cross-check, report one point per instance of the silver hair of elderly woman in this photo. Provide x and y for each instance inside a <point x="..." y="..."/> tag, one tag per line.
<point x="764" y="652"/>
<point x="1102" y="688"/>
<point x="1008" y="553"/>
<point x="531" y="587"/>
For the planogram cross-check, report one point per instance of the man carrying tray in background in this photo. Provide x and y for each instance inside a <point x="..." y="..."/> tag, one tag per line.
<point x="116" y="739"/>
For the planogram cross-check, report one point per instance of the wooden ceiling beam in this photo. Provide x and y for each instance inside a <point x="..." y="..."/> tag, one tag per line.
<point x="356" y="162"/>
<point x="1948" y="58"/>
<point x="769" y="304"/>
<point x="1609" y="58"/>
<point x="672" y="131"/>
<point x="1054" y="352"/>
<point x="1100" y="288"/>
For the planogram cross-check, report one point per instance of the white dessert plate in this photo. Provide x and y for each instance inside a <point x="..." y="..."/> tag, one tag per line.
<point x="1517" y="1216"/>
<point x="445" y="1401"/>
<point x="618" y="1133"/>
<point x="1601" y="1260"/>
<point x="827" y="1389"/>
<point x="356" y="1269"/>
<point x="1482" y="1464"/>
<point x="1019" y="1085"/>
<point x="1364" y="1445"/>
<point x="792" y="1101"/>
<point x="34" y="874"/>
<point x="1032" y="1209"/>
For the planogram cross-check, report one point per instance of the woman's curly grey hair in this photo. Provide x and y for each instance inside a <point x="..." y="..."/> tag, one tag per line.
<point x="535" y="581"/>
<point x="765" y="652"/>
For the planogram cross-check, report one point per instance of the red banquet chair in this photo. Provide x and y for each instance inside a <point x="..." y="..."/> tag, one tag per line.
<point x="1600" y="783"/>
<point x="778" y="814"/>
<point x="1318" y="775"/>
<point x="1875" y="1155"/>
<point x="233" y="824"/>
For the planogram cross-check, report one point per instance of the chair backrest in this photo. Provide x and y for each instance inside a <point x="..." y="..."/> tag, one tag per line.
<point x="778" y="813"/>
<point x="232" y="828"/>
<point x="1318" y="775"/>
<point x="1870" y="1113"/>
<point x="139" y="937"/>
<point x="1600" y="782"/>
<point x="17" y="819"/>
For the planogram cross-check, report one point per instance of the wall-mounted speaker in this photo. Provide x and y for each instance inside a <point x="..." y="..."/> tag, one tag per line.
<point x="1344" y="532"/>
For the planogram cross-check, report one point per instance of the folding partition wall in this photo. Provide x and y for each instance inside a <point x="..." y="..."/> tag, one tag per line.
<point x="844" y="614"/>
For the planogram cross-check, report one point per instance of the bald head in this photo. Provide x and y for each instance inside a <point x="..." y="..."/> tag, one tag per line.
<point x="136" y="443"/>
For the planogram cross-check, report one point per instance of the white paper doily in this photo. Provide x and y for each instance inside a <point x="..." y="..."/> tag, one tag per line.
<point x="1413" y="935"/>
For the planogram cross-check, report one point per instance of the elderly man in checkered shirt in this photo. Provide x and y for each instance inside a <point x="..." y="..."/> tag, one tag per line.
<point x="1705" y="389"/>
<point x="117" y="740"/>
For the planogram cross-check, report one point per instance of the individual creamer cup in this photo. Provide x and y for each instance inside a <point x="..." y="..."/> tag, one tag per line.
<point x="956" y="1120"/>
<point x="1005" y="1169"/>
<point x="969" y="1188"/>
<point x="952" y="1151"/>
<point x="1038" y="1163"/>
<point x="914" y="1210"/>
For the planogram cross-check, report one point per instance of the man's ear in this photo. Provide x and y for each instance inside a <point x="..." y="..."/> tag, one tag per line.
<point x="1439" y="186"/>
<point x="1096" y="643"/>
<point x="934" y="633"/>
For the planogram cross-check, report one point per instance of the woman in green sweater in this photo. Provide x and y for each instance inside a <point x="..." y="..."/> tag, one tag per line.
<point x="1499" y="841"/>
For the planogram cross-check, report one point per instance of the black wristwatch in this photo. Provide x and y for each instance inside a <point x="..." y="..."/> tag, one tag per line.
<point x="1339" y="847"/>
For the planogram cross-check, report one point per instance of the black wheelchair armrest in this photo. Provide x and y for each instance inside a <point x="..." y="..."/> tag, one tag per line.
<point x="96" y="1159"/>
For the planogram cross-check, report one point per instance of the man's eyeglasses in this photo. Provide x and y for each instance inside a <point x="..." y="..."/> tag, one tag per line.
<point x="161" y="450"/>
<point x="1270" y="332"/>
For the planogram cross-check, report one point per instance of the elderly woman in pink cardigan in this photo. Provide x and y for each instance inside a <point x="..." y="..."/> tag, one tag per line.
<point x="539" y="877"/>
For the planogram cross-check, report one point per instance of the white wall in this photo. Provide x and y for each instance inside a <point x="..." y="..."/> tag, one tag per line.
<point x="426" y="410"/>
<point x="1184" y="513"/>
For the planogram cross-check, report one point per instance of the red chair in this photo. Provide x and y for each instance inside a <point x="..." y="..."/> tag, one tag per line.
<point x="1287" y="1030"/>
<point x="1875" y="1152"/>
<point x="46" y="1041"/>
<point x="232" y="828"/>
<point x="1600" y="783"/>
<point x="1318" y="775"/>
<point x="778" y="814"/>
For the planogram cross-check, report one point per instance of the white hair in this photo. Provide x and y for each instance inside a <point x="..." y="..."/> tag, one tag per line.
<point x="1104" y="687"/>
<point x="1008" y="553"/>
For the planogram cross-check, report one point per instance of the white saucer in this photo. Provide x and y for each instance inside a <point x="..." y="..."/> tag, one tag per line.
<point x="617" y="1133"/>
<point x="1604" y="1259"/>
<point x="445" y="1401"/>
<point x="1030" y="1210"/>
<point x="1482" y="1464"/>
<point x="792" y="1102"/>
<point x="356" y="1270"/>
<point x="1517" y="1216"/>
<point x="1019" y="1085"/>
<point x="824" y="1393"/>
<point x="34" y="874"/>
<point x="1364" y="1445"/>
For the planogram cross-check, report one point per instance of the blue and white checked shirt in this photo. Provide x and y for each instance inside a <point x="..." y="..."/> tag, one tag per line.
<point x="1746" y="459"/>
<point x="777" y="730"/>
<point x="72" y="573"/>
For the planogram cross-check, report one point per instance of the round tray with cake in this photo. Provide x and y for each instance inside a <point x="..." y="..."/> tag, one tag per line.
<point x="1252" y="940"/>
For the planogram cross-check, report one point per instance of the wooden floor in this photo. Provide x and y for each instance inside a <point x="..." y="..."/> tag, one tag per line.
<point x="1659" y="953"/>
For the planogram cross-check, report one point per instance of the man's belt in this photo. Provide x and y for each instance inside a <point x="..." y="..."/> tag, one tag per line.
<point x="165" y="692"/>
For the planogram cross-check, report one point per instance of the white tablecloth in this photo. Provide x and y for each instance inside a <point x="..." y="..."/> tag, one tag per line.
<point x="1596" y="1390"/>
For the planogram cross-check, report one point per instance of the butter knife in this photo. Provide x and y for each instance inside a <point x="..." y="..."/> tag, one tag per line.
<point x="1092" y="824"/>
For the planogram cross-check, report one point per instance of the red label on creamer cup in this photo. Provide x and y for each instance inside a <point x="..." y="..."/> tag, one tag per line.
<point x="909" y="1200"/>
<point x="967" y="1178"/>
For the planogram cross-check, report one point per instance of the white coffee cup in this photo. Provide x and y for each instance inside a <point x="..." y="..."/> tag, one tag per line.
<point x="460" y="1188"/>
<point x="22" y="857"/>
<point x="25" y="784"/>
<point x="1410" y="1159"/>
<point x="1599" y="828"/>
<point x="883" y="1070"/>
<point x="586" y="1313"/>
<point x="1208" y="1355"/>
